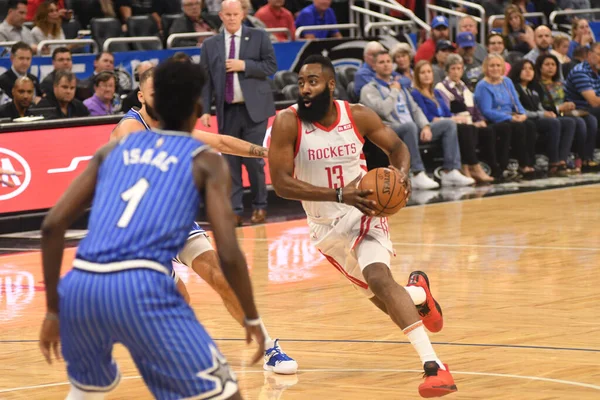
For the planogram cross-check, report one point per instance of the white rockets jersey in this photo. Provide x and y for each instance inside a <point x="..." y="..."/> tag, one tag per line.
<point x="328" y="157"/>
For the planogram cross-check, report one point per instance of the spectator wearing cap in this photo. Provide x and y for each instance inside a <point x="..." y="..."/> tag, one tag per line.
<point x="472" y="66"/>
<point x="366" y="72"/>
<point x="468" y="24"/>
<point x="439" y="31"/>
<point x="402" y="55"/>
<point x="101" y="103"/>
<point x="22" y="94"/>
<point x="442" y="49"/>
<point x="318" y="13"/>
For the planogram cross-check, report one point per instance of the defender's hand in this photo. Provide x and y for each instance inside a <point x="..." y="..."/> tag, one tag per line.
<point x="255" y="333"/>
<point x="50" y="339"/>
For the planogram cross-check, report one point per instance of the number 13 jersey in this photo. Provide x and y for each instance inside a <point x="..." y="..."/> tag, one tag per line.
<point x="328" y="157"/>
<point x="144" y="205"/>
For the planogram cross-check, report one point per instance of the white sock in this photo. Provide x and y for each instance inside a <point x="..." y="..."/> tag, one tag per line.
<point x="417" y="294"/>
<point x="78" y="394"/>
<point x="268" y="341"/>
<point x="420" y="341"/>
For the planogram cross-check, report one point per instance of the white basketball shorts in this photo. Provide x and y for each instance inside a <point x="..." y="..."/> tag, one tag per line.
<point x="353" y="242"/>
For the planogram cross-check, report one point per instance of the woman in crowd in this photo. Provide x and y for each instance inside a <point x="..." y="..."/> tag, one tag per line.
<point x="553" y="99"/>
<point x="442" y="49"/>
<point x="48" y="25"/>
<point x="499" y="103"/>
<point x="581" y="35"/>
<point x="434" y="107"/>
<point x="495" y="45"/>
<point x="558" y="132"/>
<point x="402" y="55"/>
<point x="459" y="99"/>
<point x="518" y="34"/>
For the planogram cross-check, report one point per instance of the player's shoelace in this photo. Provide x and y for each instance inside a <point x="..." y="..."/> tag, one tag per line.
<point x="276" y="355"/>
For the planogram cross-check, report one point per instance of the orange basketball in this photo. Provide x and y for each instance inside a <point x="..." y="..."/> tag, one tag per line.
<point x="388" y="190"/>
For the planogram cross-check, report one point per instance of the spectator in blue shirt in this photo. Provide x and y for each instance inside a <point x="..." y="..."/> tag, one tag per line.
<point x="499" y="103"/>
<point x="433" y="104"/>
<point x="366" y="72"/>
<point x="583" y="84"/>
<point x="318" y="13"/>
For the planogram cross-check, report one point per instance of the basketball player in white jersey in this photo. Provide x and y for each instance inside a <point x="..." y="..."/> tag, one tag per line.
<point x="316" y="157"/>
<point x="198" y="253"/>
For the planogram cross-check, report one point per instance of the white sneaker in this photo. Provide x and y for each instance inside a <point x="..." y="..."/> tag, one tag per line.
<point x="455" y="178"/>
<point x="422" y="181"/>
<point x="279" y="362"/>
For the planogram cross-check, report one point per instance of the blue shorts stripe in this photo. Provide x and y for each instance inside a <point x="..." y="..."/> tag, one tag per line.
<point x="141" y="309"/>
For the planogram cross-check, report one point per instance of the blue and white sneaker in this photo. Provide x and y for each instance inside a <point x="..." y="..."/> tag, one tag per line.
<point x="279" y="362"/>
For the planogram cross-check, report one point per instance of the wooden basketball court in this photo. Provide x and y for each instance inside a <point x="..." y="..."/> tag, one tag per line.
<point x="517" y="277"/>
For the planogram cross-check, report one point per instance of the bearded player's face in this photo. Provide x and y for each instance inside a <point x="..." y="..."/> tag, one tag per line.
<point x="314" y="93"/>
<point x="147" y="98"/>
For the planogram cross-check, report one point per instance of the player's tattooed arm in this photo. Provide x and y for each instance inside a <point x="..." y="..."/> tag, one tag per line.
<point x="230" y="145"/>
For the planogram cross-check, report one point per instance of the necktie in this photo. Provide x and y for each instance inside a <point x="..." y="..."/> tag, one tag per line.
<point x="229" y="76"/>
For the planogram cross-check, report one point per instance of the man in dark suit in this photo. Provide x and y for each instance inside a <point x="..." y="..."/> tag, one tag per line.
<point x="63" y="99"/>
<point x="20" y="59"/>
<point x="239" y="61"/>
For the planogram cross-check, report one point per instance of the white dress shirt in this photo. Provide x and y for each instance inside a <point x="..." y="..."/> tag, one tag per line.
<point x="238" y="96"/>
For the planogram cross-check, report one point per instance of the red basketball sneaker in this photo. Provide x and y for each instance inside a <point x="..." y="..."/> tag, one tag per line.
<point x="430" y="311"/>
<point x="438" y="382"/>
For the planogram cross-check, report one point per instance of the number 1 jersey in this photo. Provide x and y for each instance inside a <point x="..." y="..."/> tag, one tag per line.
<point x="144" y="205"/>
<point x="328" y="157"/>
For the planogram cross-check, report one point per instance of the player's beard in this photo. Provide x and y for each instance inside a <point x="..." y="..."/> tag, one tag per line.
<point x="151" y="112"/>
<point x="318" y="108"/>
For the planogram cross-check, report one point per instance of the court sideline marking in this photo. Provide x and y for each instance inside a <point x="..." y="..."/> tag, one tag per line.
<point x="357" y="370"/>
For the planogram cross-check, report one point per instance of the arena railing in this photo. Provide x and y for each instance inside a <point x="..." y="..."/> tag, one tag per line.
<point x="82" y="42"/>
<point x="480" y="19"/>
<point x="280" y="30"/>
<point x="188" y="35"/>
<point x="555" y="14"/>
<point x="302" y="29"/>
<point x="450" y="12"/>
<point x="495" y="17"/>
<point x="386" y="20"/>
<point x="132" y="39"/>
<point x="7" y="46"/>
<point x="384" y="6"/>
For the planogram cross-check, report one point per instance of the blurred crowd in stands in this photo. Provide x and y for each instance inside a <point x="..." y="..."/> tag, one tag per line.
<point x="526" y="90"/>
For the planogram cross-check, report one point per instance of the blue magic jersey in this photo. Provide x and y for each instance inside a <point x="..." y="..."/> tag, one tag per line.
<point x="134" y="113"/>
<point x="145" y="203"/>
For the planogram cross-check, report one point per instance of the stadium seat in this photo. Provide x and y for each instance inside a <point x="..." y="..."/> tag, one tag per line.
<point x="290" y="92"/>
<point x="340" y="93"/>
<point x="345" y="75"/>
<point x="70" y="28"/>
<point x="3" y="9"/>
<point x="104" y="28"/>
<point x="353" y="98"/>
<point x="285" y="78"/>
<point x="513" y="57"/>
<point x="277" y="95"/>
<point x="143" y="25"/>
<point x="167" y="21"/>
<point x="212" y="19"/>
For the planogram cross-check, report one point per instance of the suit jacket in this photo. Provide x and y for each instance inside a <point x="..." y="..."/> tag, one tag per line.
<point x="7" y="81"/>
<point x="257" y="51"/>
